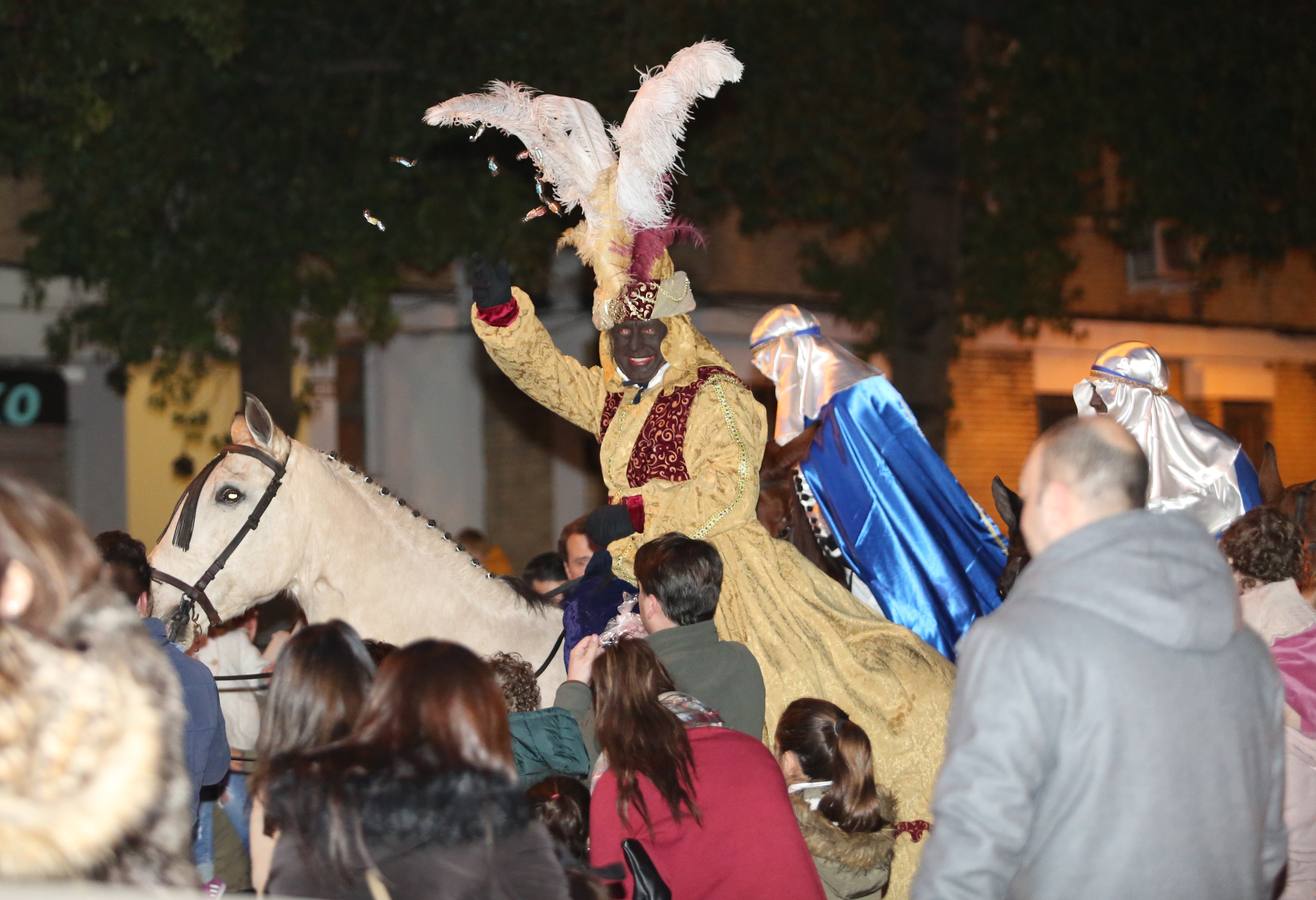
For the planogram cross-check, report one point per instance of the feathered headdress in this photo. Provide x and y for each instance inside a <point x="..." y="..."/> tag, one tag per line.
<point x="619" y="177"/>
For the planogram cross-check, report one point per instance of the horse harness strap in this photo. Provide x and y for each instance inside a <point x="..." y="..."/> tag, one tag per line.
<point x="561" y="635"/>
<point x="195" y="594"/>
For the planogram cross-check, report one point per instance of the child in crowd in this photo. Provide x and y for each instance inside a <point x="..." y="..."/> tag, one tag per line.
<point x="846" y="818"/>
<point x="562" y="804"/>
<point x="544" y="741"/>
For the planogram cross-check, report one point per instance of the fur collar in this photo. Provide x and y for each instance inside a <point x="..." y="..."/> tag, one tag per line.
<point x="859" y="852"/>
<point x="92" y="720"/>
<point x="398" y="807"/>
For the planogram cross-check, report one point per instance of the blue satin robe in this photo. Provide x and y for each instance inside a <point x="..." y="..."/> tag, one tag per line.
<point x="904" y="524"/>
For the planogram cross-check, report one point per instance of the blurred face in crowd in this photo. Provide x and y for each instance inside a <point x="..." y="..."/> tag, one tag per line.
<point x="578" y="555"/>
<point x="542" y="586"/>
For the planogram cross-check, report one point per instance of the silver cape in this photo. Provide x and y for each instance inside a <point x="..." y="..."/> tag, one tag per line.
<point x="1191" y="461"/>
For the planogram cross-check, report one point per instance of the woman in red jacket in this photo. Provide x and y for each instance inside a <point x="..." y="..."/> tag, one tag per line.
<point x="708" y="803"/>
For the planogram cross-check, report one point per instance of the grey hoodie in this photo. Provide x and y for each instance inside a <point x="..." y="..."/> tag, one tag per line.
<point x="1115" y="731"/>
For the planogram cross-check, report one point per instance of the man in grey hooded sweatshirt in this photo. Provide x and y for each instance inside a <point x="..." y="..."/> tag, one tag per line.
<point x="1115" y="730"/>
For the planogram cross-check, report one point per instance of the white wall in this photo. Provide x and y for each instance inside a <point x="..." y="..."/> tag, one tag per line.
<point x="424" y="434"/>
<point x="93" y="437"/>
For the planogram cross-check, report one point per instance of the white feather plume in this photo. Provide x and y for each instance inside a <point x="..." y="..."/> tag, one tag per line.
<point x="566" y="137"/>
<point x="648" y="140"/>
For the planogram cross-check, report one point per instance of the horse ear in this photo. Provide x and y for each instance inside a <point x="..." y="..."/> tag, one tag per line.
<point x="255" y="426"/>
<point x="1272" y="486"/>
<point x="1008" y="504"/>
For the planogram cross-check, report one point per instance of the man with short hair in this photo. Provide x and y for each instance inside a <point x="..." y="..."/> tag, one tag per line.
<point x="593" y="600"/>
<point x="1115" y="731"/>
<point x="575" y="548"/>
<point x="680" y="582"/>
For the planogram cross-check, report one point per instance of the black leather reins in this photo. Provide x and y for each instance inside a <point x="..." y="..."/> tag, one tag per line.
<point x="195" y="594"/>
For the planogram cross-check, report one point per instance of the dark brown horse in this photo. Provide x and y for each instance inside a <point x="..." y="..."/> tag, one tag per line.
<point x="1010" y="506"/>
<point x="1295" y="501"/>
<point x="779" y="507"/>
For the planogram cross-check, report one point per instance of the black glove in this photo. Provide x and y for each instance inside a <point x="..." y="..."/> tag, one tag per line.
<point x="609" y="523"/>
<point x="491" y="285"/>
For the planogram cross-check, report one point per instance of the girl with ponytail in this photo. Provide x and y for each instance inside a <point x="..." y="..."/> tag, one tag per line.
<point x="847" y="819"/>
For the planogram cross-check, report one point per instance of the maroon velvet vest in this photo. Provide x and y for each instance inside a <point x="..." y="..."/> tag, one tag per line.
<point x="659" y="450"/>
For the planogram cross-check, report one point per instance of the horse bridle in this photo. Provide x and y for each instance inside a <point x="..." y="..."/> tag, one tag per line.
<point x="195" y="594"/>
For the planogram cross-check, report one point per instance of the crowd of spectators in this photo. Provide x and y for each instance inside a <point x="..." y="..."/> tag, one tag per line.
<point x="1120" y="728"/>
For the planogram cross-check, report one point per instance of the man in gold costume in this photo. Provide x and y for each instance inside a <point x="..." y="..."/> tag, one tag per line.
<point x="681" y="437"/>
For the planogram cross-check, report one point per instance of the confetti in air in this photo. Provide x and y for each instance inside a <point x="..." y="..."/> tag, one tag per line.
<point x="403" y="161"/>
<point x="524" y="154"/>
<point x="493" y="167"/>
<point x="534" y="213"/>
<point x="479" y="131"/>
<point x="372" y="220"/>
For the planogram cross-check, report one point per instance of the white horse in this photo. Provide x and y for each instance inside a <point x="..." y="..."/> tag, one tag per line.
<point x="346" y="549"/>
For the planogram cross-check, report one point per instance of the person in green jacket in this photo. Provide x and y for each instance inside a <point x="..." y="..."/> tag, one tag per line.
<point x="680" y="580"/>
<point x="544" y="741"/>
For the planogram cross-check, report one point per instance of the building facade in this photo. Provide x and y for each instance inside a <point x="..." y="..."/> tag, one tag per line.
<point x="431" y="418"/>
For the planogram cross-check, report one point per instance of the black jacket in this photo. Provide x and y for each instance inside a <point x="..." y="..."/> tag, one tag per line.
<point x="448" y="836"/>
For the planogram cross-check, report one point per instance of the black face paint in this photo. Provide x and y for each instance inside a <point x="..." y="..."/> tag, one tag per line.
<point x="1097" y="403"/>
<point x="637" y="348"/>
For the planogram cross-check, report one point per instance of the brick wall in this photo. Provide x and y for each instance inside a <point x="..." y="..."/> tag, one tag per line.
<point x="994" y="420"/>
<point x="1293" y="421"/>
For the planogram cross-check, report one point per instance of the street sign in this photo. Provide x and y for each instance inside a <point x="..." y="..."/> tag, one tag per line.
<point x="32" y="396"/>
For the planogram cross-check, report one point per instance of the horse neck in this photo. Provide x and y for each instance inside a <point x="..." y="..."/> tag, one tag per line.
<point x="374" y="563"/>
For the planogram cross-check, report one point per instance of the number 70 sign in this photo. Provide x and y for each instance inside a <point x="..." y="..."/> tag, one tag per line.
<point x="32" y="396"/>
<point x="20" y="404"/>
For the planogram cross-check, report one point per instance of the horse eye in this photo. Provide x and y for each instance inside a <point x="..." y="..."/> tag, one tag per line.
<point x="229" y="496"/>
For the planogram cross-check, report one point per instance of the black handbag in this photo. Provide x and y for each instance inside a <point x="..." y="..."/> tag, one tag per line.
<point x="649" y="885"/>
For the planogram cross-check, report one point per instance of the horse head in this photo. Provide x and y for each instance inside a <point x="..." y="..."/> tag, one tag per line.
<point x="239" y="491"/>
<point x="1009" y="506"/>
<point x="1295" y="500"/>
<point x="779" y="509"/>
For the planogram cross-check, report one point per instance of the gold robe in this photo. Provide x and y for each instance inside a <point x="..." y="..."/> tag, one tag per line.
<point x="811" y="637"/>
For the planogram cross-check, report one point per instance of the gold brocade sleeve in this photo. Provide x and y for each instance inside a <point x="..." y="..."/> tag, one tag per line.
<point x="723" y="448"/>
<point x="525" y="352"/>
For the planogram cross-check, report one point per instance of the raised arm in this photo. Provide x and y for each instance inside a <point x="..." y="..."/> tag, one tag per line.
<point x="522" y="348"/>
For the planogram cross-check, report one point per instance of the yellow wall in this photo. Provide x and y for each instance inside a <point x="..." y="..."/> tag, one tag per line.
<point x="152" y="442"/>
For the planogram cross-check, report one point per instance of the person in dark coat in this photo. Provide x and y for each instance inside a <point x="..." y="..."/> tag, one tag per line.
<point x="420" y="800"/>
<point x="593" y="600"/>
<point x="205" y="744"/>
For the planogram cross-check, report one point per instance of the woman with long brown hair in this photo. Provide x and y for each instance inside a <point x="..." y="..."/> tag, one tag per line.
<point x="707" y="802"/>
<point x="318" y="687"/>
<point x="419" y="800"/>
<point x="846" y="818"/>
<point x="92" y="780"/>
